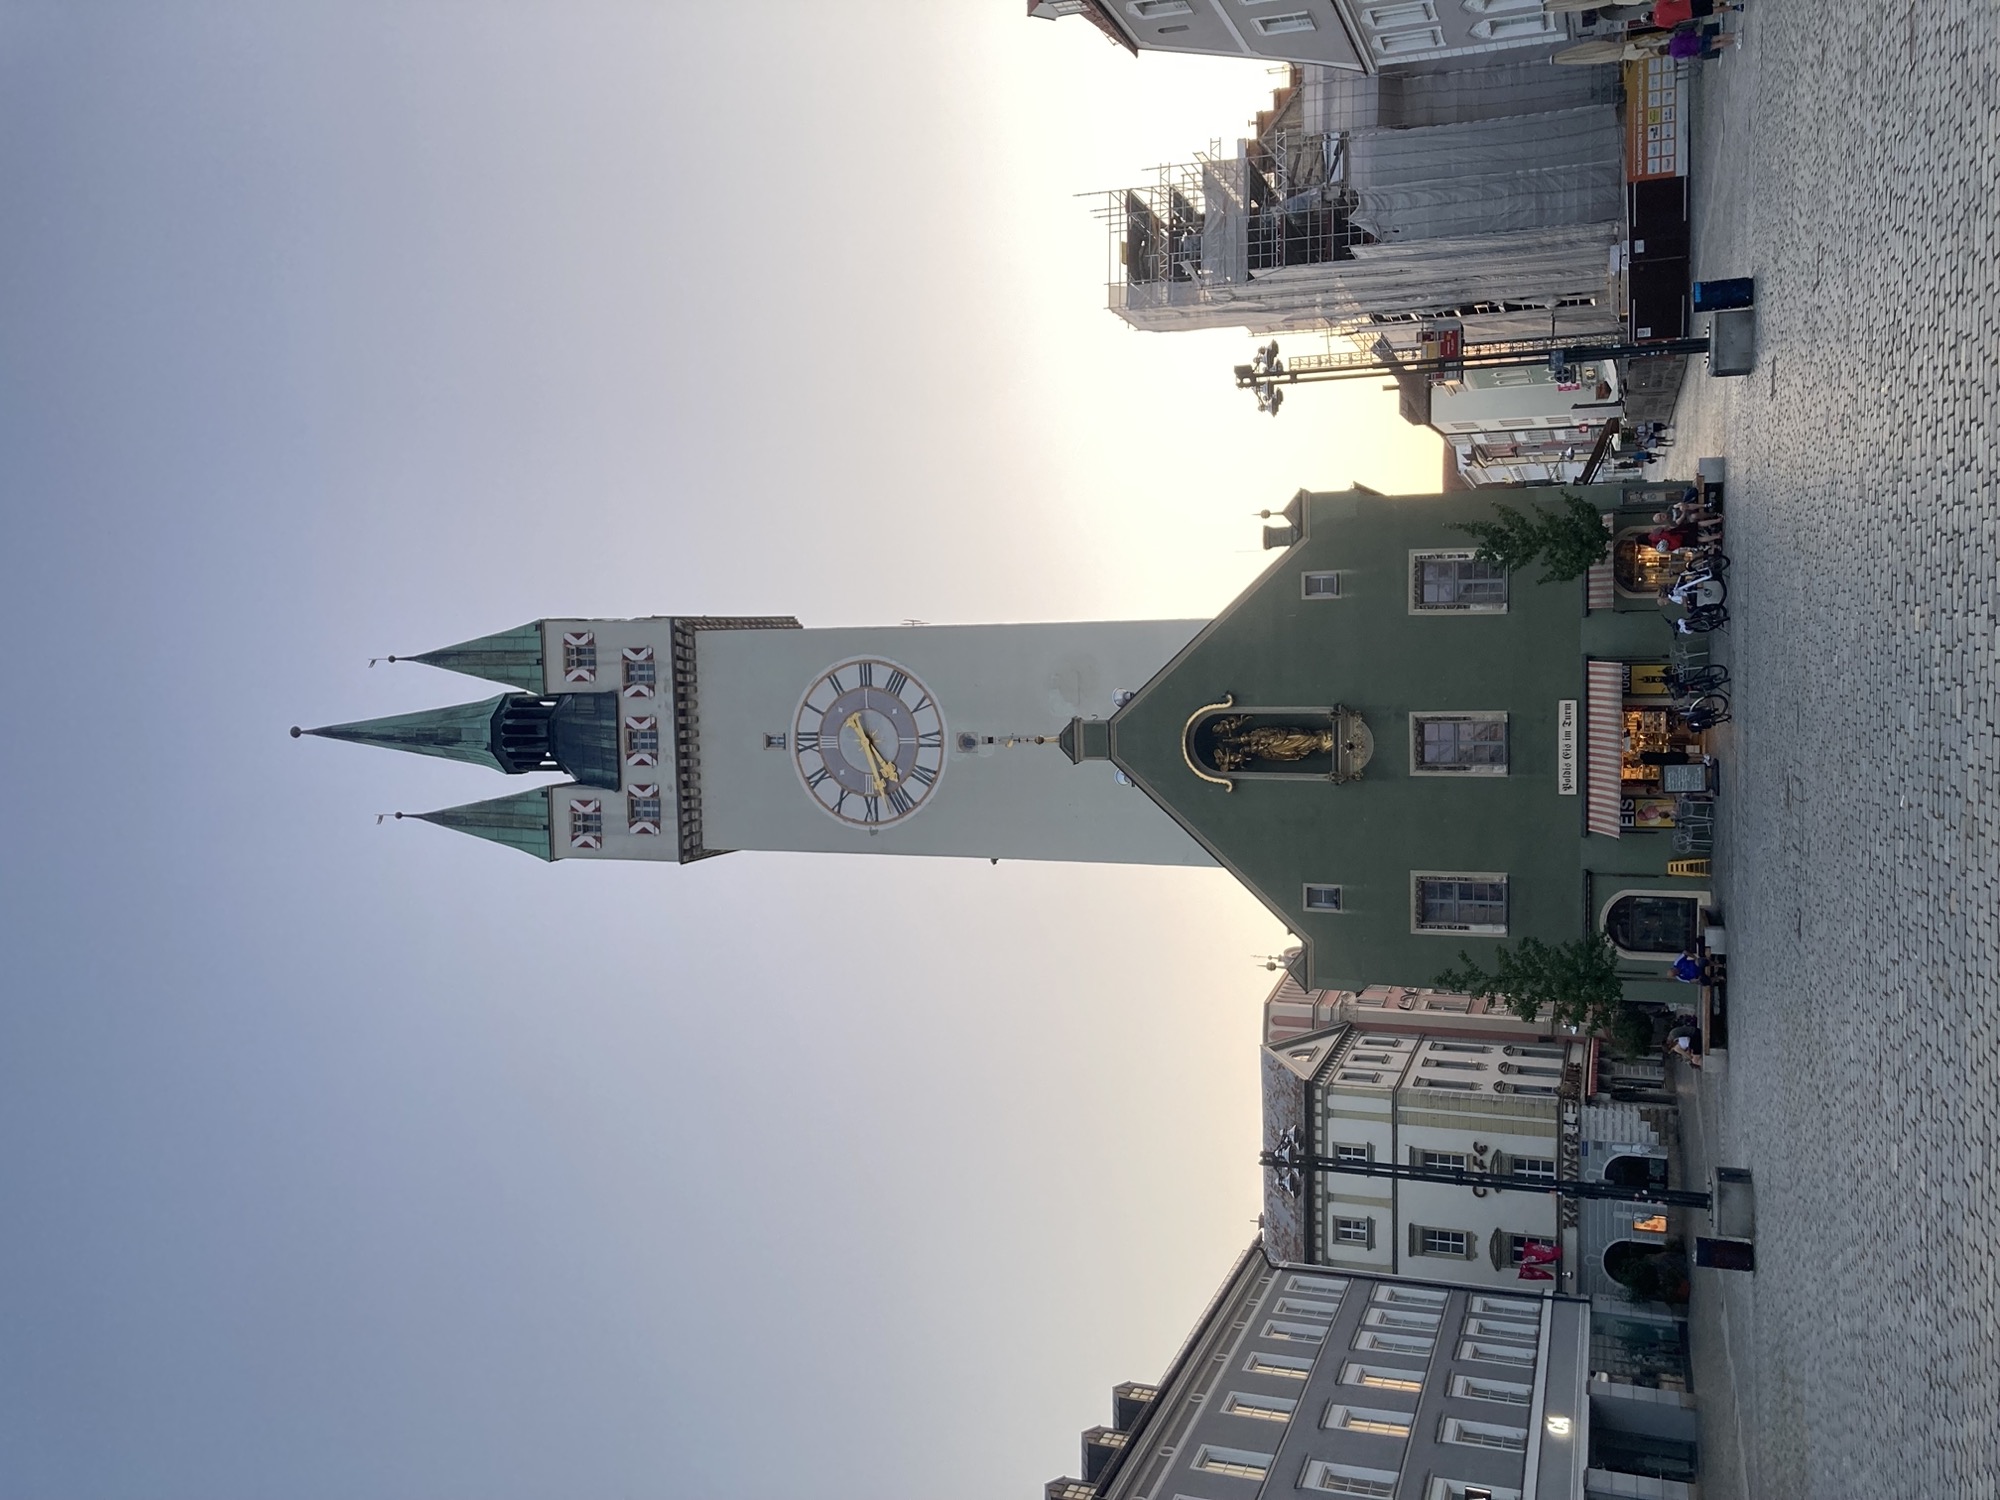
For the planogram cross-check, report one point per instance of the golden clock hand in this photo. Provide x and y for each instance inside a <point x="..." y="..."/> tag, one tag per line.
<point x="880" y="766"/>
<point x="876" y="765"/>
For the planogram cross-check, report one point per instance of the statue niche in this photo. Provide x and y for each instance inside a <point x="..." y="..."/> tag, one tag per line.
<point x="1332" y="744"/>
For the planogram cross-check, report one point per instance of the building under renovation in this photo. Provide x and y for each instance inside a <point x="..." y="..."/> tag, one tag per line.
<point x="1493" y="197"/>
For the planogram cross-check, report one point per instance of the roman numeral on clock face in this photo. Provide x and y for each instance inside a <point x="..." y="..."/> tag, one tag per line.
<point x="868" y="742"/>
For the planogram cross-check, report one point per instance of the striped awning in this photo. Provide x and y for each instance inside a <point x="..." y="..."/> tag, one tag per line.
<point x="1599" y="590"/>
<point x="1604" y="730"/>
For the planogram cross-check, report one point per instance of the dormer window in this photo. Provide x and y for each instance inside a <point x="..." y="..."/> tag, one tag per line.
<point x="642" y="809"/>
<point x="640" y="671"/>
<point x="642" y="740"/>
<point x="586" y="824"/>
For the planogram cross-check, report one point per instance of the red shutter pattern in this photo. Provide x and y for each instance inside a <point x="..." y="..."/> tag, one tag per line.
<point x="586" y="824"/>
<point x="635" y="753"/>
<point x="639" y="684"/>
<point x="648" y="793"/>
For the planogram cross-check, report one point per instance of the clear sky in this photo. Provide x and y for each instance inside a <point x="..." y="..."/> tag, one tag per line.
<point x="341" y="1160"/>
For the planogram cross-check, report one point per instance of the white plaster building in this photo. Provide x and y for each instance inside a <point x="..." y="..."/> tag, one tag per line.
<point x="1351" y="35"/>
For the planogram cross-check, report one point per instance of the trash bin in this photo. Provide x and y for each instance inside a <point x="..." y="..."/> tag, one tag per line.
<point x="1720" y="296"/>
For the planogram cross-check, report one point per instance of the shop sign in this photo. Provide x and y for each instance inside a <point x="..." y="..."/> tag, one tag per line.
<point x="1566" y="777"/>
<point x="1444" y="342"/>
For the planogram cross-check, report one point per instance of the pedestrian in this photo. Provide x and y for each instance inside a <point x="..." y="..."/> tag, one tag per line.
<point x="1668" y="14"/>
<point x="1673" y="536"/>
<point x="1686" y="1045"/>
<point x="1699" y="43"/>
<point x="1687" y="968"/>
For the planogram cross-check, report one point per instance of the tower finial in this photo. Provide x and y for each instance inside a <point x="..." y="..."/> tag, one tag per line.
<point x="296" y="731"/>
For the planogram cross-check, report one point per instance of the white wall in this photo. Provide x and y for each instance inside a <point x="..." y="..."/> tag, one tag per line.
<point x="1021" y="802"/>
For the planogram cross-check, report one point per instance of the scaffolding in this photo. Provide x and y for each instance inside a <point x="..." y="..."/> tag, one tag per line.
<point x="1335" y="217"/>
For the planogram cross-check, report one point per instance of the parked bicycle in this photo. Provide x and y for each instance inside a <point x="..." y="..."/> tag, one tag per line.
<point x="1695" y="681"/>
<point x="1702" y="619"/>
<point x="1706" y="712"/>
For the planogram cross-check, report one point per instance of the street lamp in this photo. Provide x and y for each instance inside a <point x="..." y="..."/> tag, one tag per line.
<point x="1291" y="1161"/>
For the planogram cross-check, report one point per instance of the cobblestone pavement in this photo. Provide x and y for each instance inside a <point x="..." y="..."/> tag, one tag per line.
<point x="1848" y="158"/>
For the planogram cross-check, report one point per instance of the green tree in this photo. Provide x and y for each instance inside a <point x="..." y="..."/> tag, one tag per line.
<point x="1566" y="540"/>
<point x="1574" y="984"/>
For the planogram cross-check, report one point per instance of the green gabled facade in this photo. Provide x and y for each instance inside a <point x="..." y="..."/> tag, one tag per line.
<point x="1355" y="665"/>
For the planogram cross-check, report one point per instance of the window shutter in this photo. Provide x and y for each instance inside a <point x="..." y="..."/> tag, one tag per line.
<point x="638" y="689"/>
<point x="641" y="757"/>
<point x="1416" y="1239"/>
<point x="586" y="827"/>
<point x="644" y="825"/>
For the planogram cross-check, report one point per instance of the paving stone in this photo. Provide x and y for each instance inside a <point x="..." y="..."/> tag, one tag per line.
<point x="1849" y="159"/>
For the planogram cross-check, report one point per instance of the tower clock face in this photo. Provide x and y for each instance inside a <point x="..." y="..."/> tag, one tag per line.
<point x="868" y="741"/>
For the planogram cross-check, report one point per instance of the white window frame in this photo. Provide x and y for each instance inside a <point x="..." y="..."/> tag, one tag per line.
<point x="1330" y="1478"/>
<point x="1457" y="1489"/>
<point x="1406" y="44"/>
<point x="1498" y="1437"/>
<point x="1280" y="1366"/>
<point x="1481" y="1352"/>
<point x="1544" y="1168"/>
<point x="1306" y="1307"/>
<point x="1364" y="1234"/>
<point x="1419" y="767"/>
<point x="1496" y="1328"/>
<point x="1324" y="1286"/>
<point x="1159" y="10"/>
<point x="1498" y="1392"/>
<point x="1373" y="1340"/>
<point x="1369" y="1377"/>
<point x="1291" y="22"/>
<point x="1507" y="1307"/>
<point x="1320" y="583"/>
<point x="1285" y="1331"/>
<point x="1420" y="1242"/>
<point x="1457" y="929"/>
<point x="1340" y="1417"/>
<point x="1411" y="1296"/>
<point x="1399" y="13"/>
<point x="1213" y="1458"/>
<point x="1508" y="28"/>
<point x="1407" y="1320"/>
<point x="1317" y="895"/>
<point x="1260" y="1408"/>
<point x="1421" y="555"/>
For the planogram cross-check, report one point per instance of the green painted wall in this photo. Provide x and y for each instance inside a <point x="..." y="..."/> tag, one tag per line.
<point x="1367" y="650"/>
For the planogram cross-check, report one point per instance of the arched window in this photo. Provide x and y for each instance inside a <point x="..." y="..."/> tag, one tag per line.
<point x="1652" y="923"/>
<point x="1223" y="742"/>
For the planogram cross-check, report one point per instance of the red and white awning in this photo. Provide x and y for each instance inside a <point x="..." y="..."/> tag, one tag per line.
<point x="1600" y="590"/>
<point x="1604" y="728"/>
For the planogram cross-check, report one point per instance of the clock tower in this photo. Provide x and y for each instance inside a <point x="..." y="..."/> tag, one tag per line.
<point x="682" y="737"/>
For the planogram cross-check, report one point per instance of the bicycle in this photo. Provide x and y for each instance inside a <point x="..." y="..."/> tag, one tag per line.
<point x="1702" y="619"/>
<point x="1695" y="681"/>
<point x="1706" y="712"/>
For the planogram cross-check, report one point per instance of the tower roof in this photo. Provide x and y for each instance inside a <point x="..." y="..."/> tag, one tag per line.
<point x="462" y="732"/>
<point x="520" y="821"/>
<point x="513" y="657"/>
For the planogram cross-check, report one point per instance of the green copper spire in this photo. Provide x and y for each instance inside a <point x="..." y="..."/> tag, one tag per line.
<point x="513" y="657"/>
<point x="520" y="821"/>
<point x="463" y="732"/>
